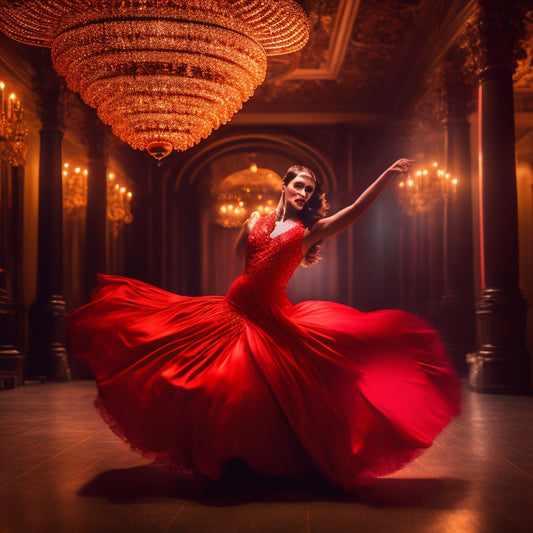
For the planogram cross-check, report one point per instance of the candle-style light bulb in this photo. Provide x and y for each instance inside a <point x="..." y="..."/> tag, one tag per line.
<point x="10" y="105"/>
<point x="2" y="87"/>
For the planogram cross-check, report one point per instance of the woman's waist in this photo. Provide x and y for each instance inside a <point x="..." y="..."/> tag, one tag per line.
<point x="248" y="294"/>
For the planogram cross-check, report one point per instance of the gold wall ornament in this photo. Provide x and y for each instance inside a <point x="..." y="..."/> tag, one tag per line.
<point x="13" y="131"/>
<point x="245" y="191"/>
<point x="423" y="188"/>
<point x="167" y="72"/>
<point x="74" y="189"/>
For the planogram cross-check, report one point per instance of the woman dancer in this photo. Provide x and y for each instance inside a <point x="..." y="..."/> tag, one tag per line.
<point x="291" y="390"/>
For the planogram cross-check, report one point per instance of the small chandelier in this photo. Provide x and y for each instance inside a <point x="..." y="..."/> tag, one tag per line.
<point x="74" y="189"/>
<point x="13" y="130"/>
<point x="118" y="203"/>
<point x="250" y="189"/>
<point x="423" y="189"/>
<point x="163" y="73"/>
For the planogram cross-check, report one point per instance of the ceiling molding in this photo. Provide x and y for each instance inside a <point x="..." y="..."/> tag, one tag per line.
<point x="426" y="50"/>
<point x="306" y="117"/>
<point x="340" y="39"/>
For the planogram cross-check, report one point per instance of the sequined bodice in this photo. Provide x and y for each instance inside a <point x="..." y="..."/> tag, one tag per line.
<point x="270" y="263"/>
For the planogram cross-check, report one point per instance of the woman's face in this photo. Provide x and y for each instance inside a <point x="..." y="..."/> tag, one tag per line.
<point x="298" y="191"/>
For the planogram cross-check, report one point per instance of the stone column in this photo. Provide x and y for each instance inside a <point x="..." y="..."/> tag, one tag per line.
<point x="96" y="135"/>
<point x="457" y="312"/>
<point x="11" y="324"/>
<point x="11" y="360"/>
<point x="501" y="362"/>
<point x="48" y="355"/>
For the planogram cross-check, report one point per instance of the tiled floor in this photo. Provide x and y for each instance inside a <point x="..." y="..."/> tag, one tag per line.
<point x="62" y="470"/>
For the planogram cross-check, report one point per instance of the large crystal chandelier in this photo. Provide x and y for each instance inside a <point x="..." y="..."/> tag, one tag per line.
<point x="163" y="73"/>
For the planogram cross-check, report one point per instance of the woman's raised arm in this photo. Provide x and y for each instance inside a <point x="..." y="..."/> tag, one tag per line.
<point x="329" y="226"/>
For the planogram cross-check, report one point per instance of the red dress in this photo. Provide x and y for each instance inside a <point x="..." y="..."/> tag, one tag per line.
<point x="292" y="390"/>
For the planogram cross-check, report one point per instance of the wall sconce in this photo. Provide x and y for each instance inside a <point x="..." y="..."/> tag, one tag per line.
<point x="118" y="197"/>
<point x="118" y="203"/>
<point x="13" y="131"/>
<point x="74" y="189"/>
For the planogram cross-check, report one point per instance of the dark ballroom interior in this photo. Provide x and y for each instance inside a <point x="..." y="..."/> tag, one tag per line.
<point x="445" y="83"/>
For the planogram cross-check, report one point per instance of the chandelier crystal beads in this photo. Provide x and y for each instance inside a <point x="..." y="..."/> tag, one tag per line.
<point x="162" y="73"/>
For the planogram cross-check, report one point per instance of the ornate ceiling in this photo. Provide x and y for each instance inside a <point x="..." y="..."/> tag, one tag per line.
<point x="372" y="57"/>
<point x="366" y="60"/>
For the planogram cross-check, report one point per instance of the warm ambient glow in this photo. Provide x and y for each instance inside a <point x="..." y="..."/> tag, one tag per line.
<point x="423" y="189"/>
<point x="250" y="189"/>
<point x="74" y="189"/>
<point x="118" y="202"/>
<point x="118" y="197"/>
<point x="163" y="73"/>
<point x="13" y="131"/>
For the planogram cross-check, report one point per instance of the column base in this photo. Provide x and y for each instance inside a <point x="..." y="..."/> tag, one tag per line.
<point x="457" y="327"/>
<point x="48" y="355"/>
<point x="501" y="363"/>
<point x="11" y="367"/>
<point x="11" y="359"/>
<point x="499" y="373"/>
<point x="57" y="363"/>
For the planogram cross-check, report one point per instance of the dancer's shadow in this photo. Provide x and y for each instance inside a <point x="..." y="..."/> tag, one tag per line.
<point x="240" y="485"/>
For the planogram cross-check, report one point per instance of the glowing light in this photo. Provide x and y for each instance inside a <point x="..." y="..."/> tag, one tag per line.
<point x="13" y="131"/>
<point x="118" y="203"/>
<point x="163" y="73"/>
<point x="74" y="190"/>
<point x="425" y="188"/>
<point x="243" y="192"/>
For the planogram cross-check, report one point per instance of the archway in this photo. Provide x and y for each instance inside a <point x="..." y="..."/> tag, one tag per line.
<point x="199" y="257"/>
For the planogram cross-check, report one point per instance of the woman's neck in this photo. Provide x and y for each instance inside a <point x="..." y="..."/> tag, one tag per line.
<point x="288" y="214"/>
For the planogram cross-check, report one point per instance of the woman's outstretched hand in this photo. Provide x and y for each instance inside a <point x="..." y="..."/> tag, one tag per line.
<point x="326" y="227"/>
<point x="402" y="165"/>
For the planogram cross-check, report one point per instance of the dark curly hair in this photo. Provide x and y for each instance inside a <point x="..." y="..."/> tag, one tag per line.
<point x="315" y="208"/>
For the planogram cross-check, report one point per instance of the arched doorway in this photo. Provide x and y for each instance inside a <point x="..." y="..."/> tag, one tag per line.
<point x="199" y="255"/>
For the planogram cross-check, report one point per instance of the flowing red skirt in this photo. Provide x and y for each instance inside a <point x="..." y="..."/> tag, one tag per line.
<point x="192" y="382"/>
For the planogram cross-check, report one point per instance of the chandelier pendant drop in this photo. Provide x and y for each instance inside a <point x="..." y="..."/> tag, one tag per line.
<point x="162" y="73"/>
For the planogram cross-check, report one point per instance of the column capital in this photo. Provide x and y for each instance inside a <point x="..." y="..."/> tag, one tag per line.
<point x="450" y="95"/>
<point x="96" y="135"/>
<point x="496" y="35"/>
<point x="458" y="83"/>
<point x="50" y="91"/>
